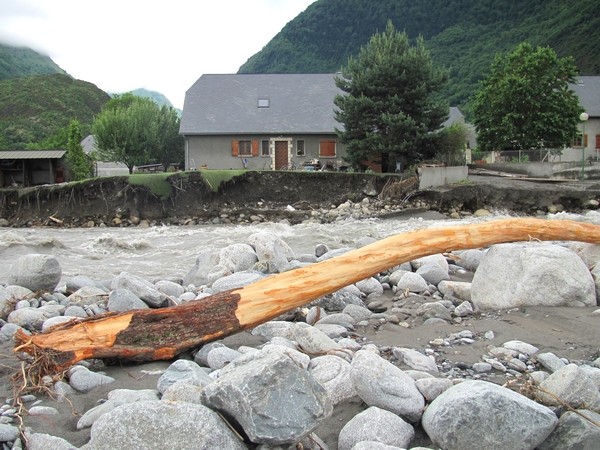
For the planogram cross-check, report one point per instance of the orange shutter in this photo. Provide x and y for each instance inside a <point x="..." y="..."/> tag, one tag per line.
<point x="327" y="148"/>
<point x="235" y="148"/>
<point x="254" y="148"/>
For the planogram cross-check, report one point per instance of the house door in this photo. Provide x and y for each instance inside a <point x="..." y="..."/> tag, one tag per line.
<point x="281" y="154"/>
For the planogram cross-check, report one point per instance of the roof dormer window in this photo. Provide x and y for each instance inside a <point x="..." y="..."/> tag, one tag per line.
<point x="263" y="102"/>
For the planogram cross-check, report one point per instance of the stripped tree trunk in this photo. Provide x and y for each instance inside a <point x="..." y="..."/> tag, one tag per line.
<point x="155" y="334"/>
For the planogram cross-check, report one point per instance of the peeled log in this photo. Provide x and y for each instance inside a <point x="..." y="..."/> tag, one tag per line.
<point x="155" y="334"/>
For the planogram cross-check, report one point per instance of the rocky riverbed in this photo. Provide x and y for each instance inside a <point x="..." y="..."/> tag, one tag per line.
<point x="485" y="348"/>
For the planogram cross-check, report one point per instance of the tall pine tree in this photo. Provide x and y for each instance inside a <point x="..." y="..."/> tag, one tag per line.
<point x="80" y="166"/>
<point x="389" y="109"/>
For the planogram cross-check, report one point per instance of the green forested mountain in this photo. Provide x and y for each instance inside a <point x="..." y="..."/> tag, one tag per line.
<point x="157" y="97"/>
<point x="38" y="99"/>
<point x="23" y="62"/>
<point x="462" y="35"/>
<point x="35" y="108"/>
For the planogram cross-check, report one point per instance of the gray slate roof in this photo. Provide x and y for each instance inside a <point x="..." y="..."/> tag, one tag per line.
<point x="89" y="144"/>
<point x="588" y="91"/>
<point x="228" y="104"/>
<point x="454" y="116"/>
<point x="32" y="154"/>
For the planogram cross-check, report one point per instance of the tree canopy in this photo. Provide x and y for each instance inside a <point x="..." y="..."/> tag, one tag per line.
<point x="388" y="106"/>
<point x="136" y="131"/>
<point x="525" y="102"/>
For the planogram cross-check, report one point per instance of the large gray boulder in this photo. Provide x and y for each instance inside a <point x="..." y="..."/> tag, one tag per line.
<point x="312" y="340"/>
<point x="514" y="275"/>
<point x="415" y="359"/>
<point x="157" y="425"/>
<point x="570" y="385"/>
<point x="382" y="384"/>
<point x="378" y="425"/>
<point x="84" y="380"/>
<point x="333" y="373"/>
<point x="79" y="281"/>
<point x="458" y="289"/>
<point x="33" y="318"/>
<point x="370" y="286"/>
<point x="575" y="430"/>
<point x="274" y="400"/>
<point x="124" y="300"/>
<point x="470" y="259"/>
<point x="438" y="259"/>
<point x="412" y="282"/>
<point x="143" y="289"/>
<point x="36" y="272"/>
<point x="235" y="281"/>
<point x="116" y="398"/>
<point x="271" y="249"/>
<point x="183" y="370"/>
<point x="433" y="273"/>
<point x="169" y="288"/>
<point x="198" y="274"/>
<point x="43" y="441"/>
<point x="478" y="414"/>
<point x="237" y="257"/>
<point x="87" y="295"/>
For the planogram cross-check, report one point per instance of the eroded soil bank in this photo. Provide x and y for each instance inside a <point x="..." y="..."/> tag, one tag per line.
<point x="272" y="196"/>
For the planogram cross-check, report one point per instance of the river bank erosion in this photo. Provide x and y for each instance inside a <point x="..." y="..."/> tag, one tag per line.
<point x="491" y="347"/>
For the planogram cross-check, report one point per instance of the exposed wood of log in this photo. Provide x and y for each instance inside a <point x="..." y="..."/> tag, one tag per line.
<point x="155" y="334"/>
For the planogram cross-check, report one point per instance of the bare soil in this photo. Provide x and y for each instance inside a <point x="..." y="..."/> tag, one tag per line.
<point x="270" y="193"/>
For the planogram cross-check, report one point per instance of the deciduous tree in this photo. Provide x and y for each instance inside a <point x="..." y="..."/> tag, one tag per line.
<point x="452" y="143"/>
<point x="388" y="105"/>
<point x="525" y="102"/>
<point x="136" y="131"/>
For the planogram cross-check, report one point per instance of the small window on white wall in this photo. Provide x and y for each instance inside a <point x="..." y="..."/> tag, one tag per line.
<point x="300" y="147"/>
<point x="263" y="103"/>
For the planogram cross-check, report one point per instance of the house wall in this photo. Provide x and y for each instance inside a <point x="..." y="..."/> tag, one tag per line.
<point x="215" y="152"/>
<point x="592" y="149"/>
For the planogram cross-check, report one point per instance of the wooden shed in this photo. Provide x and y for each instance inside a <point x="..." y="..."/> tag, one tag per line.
<point x="31" y="167"/>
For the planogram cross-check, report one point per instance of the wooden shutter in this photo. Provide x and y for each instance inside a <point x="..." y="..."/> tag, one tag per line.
<point x="585" y="141"/>
<point x="327" y="148"/>
<point x="598" y="141"/>
<point x="255" y="148"/>
<point x="235" y="148"/>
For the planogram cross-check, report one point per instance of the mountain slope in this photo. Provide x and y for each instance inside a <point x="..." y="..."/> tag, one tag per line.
<point x="34" y="108"/>
<point x="158" y="98"/>
<point x="463" y="35"/>
<point x="23" y="62"/>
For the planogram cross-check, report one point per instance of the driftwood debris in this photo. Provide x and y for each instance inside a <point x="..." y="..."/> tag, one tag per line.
<point x="156" y="334"/>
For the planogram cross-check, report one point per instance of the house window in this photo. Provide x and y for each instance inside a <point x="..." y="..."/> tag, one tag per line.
<point x="264" y="148"/>
<point x="245" y="148"/>
<point x="263" y="103"/>
<point x="300" y="147"/>
<point x="577" y="140"/>
<point x="327" y="148"/>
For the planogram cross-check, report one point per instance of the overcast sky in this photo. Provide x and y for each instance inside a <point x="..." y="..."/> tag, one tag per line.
<point x="161" y="45"/>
